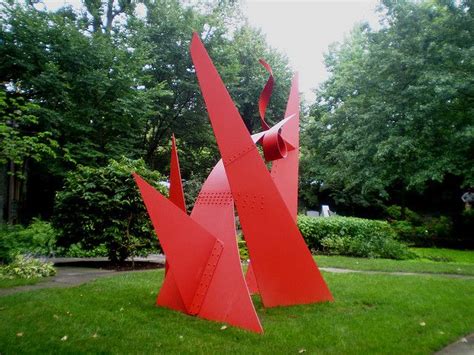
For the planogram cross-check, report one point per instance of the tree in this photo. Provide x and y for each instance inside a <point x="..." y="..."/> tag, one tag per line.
<point x="235" y="49"/>
<point x="87" y="88"/>
<point x="107" y="86"/>
<point x="102" y="14"/>
<point x="20" y="143"/>
<point x="396" y="112"/>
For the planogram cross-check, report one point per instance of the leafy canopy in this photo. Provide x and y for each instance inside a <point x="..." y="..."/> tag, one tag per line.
<point x="398" y="108"/>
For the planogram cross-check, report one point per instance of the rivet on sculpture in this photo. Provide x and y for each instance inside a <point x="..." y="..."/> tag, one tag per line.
<point x="203" y="274"/>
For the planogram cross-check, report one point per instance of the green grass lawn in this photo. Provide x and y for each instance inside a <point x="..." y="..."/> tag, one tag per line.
<point x="462" y="262"/>
<point x="5" y="283"/>
<point x="371" y="314"/>
<point x="445" y="255"/>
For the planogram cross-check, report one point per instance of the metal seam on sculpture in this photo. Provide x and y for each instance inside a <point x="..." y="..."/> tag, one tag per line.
<point x="239" y="154"/>
<point x="206" y="278"/>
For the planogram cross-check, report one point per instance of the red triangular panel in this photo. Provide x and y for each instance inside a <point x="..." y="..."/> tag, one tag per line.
<point x="176" y="185"/>
<point x="186" y="244"/>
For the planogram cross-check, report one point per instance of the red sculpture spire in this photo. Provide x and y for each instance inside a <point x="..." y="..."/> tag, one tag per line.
<point x="176" y="185"/>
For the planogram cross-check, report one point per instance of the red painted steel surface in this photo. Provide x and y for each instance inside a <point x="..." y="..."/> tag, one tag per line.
<point x="187" y="244"/>
<point x="269" y="228"/>
<point x="176" y="185"/>
<point x="251" y="281"/>
<point x="265" y="95"/>
<point x="206" y="269"/>
<point x="169" y="295"/>
<point x="285" y="171"/>
<point x="228" y="294"/>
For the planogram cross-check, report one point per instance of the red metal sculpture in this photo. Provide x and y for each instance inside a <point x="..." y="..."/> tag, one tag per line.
<point x="205" y="276"/>
<point x="169" y="295"/>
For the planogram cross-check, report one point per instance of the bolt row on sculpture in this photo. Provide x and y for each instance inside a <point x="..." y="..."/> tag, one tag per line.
<point x="203" y="274"/>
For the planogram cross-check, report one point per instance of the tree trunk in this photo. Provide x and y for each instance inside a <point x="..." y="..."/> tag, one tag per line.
<point x="13" y="190"/>
<point x="110" y="16"/>
<point x="403" y="203"/>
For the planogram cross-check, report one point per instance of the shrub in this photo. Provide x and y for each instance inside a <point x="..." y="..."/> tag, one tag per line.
<point x="352" y="236"/>
<point x="9" y="245"/>
<point x="38" y="239"/>
<point x="24" y="267"/>
<point x="78" y="251"/>
<point x="243" y="250"/>
<point x="408" y="232"/>
<point x="102" y="206"/>
<point x="394" y="212"/>
<point x="417" y="230"/>
<point x="191" y="188"/>
<point x="465" y="227"/>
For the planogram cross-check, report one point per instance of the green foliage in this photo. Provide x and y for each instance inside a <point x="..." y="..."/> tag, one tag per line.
<point x="243" y="250"/>
<point x="468" y="213"/>
<point x="396" y="112"/>
<point x="27" y="268"/>
<point x="19" y="137"/>
<point x="418" y="230"/>
<point x="39" y="239"/>
<point x="352" y="236"/>
<point x="87" y="88"/>
<point x="191" y="188"/>
<point x="104" y="83"/>
<point x="9" y="243"/>
<point x="395" y="212"/>
<point x="425" y="233"/>
<point x="102" y="206"/>
<point x="466" y="225"/>
<point x="77" y="251"/>
<point x="234" y="47"/>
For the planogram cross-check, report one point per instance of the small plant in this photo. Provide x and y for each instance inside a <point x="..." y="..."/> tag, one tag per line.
<point x="38" y="239"/>
<point x="24" y="267"/>
<point x="243" y="251"/>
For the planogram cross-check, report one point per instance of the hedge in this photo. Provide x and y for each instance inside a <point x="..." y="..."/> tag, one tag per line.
<point x="352" y="236"/>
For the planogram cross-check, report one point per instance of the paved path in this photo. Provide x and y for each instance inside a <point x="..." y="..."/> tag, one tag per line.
<point x="464" y="346"/>
<point x="66" y="277"/>
<point x="152" y="258"/>
<point x="70" y="275"/>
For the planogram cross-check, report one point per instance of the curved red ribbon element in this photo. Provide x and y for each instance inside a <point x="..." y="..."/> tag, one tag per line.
<point x="274" y="147"/>
<point x="265" y="95"/>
